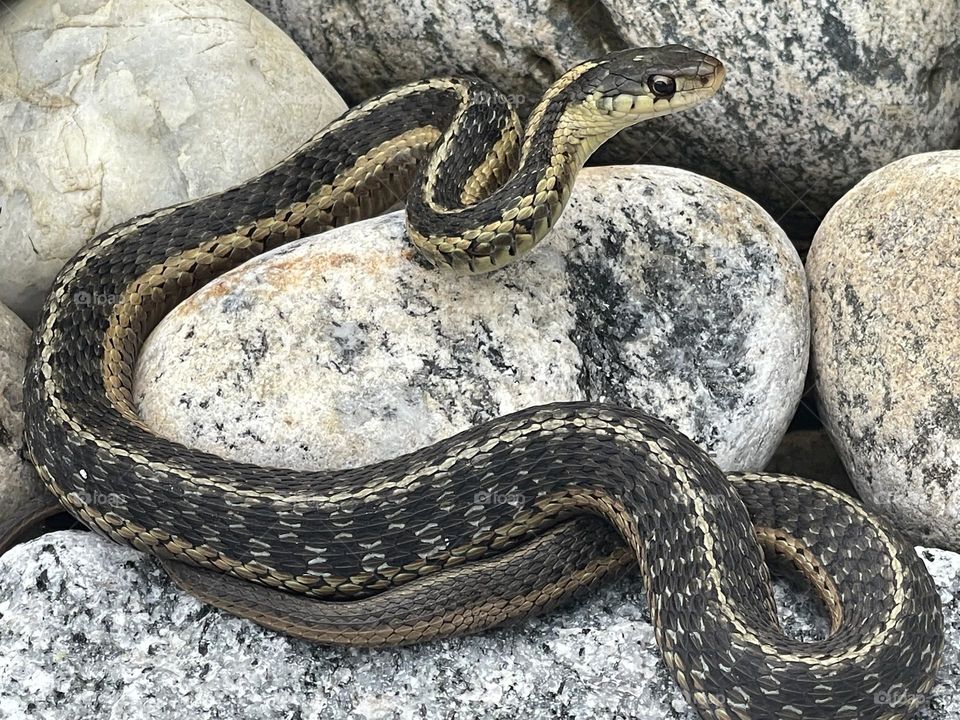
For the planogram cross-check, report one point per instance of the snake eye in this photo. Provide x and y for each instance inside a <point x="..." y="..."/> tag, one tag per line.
<point x="662" y="85"/>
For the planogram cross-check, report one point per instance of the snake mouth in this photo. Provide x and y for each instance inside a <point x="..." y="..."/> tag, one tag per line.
<point x="719" y="75"/>
<point x="691" y="90"/>
<point x="701" y="81"/>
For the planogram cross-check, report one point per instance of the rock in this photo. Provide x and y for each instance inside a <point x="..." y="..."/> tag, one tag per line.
<point x="110" y="108"/>
<point x="93" y="629"/>
<point x="658" y="289"/>
<point x="799" y="85"/>
<point x="20" y="488"/>
<point x="885" y="283"/>
<point x="810" y="454"/>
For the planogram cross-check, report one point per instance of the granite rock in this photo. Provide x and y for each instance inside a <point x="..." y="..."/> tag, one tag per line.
<point x="658" y="289"/>
<point x="802" y="83"/>
<point x="91" y="629"/>
<point x="885" y="305"/>
<point x="20" y="487"/>
<point x="110" y="108"/>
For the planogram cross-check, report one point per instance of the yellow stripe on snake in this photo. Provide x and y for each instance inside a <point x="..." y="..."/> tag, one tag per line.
<point x="398" y="551"/>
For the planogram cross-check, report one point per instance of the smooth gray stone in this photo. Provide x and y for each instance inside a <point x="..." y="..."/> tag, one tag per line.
<point x="817" y="95"/>
<point x="112" y="108"/>
<point x="885" y="305"/>
<point x="658" y="289"/>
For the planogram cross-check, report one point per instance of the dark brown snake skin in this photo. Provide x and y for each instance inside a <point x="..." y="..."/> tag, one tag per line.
<point x="400" y="551"/>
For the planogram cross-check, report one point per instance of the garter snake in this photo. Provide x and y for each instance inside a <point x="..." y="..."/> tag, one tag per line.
<point x="400" y="551"/>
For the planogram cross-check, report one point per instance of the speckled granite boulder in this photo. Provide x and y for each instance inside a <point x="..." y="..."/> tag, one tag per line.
<point x="885" y="304"/>
<point x="92" y="629"/>
<point x="110" y="108"/>
<point x="801" y="85"/>
<point x="19" y="484"/>
<point x="659" y="289"/>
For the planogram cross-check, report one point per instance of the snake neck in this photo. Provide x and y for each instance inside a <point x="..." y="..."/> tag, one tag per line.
<point x="482" y="220"/>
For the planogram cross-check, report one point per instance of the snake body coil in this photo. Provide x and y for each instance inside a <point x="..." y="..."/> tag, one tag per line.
<point x="399" y="551"/>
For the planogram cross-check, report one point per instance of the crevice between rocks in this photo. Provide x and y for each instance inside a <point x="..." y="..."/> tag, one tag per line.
<point x="593" y="22"/>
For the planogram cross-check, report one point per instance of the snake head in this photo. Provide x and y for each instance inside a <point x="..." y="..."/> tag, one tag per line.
<point x="627" y="86"/>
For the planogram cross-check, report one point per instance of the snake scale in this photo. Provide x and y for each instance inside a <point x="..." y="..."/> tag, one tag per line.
<point x="400" y="551"/>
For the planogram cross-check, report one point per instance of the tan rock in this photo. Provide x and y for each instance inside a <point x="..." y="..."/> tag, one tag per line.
<point x="20" y="487"/>
<point x="884" y="275"/>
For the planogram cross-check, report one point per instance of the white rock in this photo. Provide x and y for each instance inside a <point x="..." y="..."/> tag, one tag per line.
<point x="814" y="99"/>
<point x="110" y="108"/>
<point x="92" y="629"/>
<point x="658" y="289"/>
<point x="885" y="305"/>
<point x="19" y="485"/>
